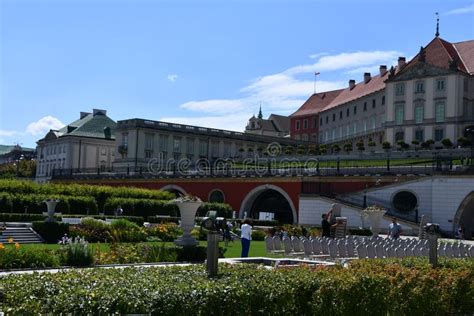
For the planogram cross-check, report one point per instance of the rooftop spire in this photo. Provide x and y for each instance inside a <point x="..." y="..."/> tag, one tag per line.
<point x="437" y="24"/>
<point x="260" y="115"/>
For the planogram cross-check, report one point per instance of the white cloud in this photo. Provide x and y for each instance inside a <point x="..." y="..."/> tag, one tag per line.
<point x="464" y="10"/>
<point x="317" y="55"/>
<point x="8" y="133"/>
<point x="345" y="61"/>
<point x="43" y="125"/>
<point x="235" y="122"/>
<point x="172" y="77"/>
<point x="282" y="93"/>
<point x="214" y="106"/>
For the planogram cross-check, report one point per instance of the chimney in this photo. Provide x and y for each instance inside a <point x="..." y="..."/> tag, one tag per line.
<point x="383" y="70"/>
<point x="366" y="77"/>
<point x="83" y="114"/>
<point x="352" y="84"/>
<point x="401" y="62"/>
<point x="98" y="112"/>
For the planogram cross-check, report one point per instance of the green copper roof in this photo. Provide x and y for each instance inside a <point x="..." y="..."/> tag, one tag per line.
<point x="97" y="125"/>
<point x="5" y="149"/>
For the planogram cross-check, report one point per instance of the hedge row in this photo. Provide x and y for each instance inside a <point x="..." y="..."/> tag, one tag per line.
<point x="370" y="287"/>
<point x="99" y="193"/>
<point x="140" y="207"/>
<point x="34" y="203"/>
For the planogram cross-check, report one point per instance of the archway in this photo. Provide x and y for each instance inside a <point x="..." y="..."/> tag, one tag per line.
<point x="465" y="216"/>
<point x="175" y="189"/>
<point x="272" y="199"/>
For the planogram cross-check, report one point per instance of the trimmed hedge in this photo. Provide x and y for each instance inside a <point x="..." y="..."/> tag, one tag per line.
<point x="99" y="193"/>
<point x="223" y="210"/>
<point x="373" y="287"/>
<point x="51" y="232"/>
<point x="140" y="207"/>
<point x="17" y="217"/>
<point x="16" y="203"/>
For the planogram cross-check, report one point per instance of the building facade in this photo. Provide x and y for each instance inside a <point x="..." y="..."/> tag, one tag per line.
<point x="140" y="140"/>
<point x="275" y="125"/>
<point x="428" y="98"/>
<point x="87" y="143"/>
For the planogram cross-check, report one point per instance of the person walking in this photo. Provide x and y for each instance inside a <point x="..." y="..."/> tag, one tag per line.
<point x="245" y="237"/>
<point x="394" y="229"/>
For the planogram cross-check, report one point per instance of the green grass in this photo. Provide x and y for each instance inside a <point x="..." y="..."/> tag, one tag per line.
<point x="257" y="248"/>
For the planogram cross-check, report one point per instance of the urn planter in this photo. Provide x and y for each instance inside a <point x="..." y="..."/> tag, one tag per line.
<point x="51" y="205"/>
<point x="188" y="214"/>
<point x="374" y="215"/>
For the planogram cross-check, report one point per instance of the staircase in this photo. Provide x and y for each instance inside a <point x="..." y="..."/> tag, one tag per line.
<point x="21" y="233"/>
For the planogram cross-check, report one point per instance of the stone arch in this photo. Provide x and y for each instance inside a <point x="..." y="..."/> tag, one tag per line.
<point x="173" y="188"/>
<point x="251" y="197"/>
<point x="465" y="216"/>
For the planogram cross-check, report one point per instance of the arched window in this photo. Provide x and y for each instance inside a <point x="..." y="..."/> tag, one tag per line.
<point x="216" y="196"/>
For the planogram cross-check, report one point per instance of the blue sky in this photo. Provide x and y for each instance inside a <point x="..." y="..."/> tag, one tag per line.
<point x="208" y="63"/>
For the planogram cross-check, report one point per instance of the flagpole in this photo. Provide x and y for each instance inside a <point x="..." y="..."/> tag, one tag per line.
<point x="315" y="75"/>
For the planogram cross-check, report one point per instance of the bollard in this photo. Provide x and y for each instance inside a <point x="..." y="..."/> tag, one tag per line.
<point x="212" y="253"/>
<point x="432" y="231"/>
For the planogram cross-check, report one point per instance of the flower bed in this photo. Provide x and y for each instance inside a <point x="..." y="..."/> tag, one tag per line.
<point x="365" y="288"/>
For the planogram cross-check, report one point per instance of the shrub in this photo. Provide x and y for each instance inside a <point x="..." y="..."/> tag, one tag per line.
<point x="51" y="232"/>
<point x="124" y="231"/>
<point x="140" y="207"/>
<point x="447" y="143"/>
<point x="19" y="257"/>
<point x="77" y="252"/>
<point x="366" y="287"/>
<point x="163" y="219"/>
<point x="223" y="210"/>
<point x="386" y="145"/>
<point x="165" y="231"/>
<point x="258" y="235"/>
<point x="16" y="217"/>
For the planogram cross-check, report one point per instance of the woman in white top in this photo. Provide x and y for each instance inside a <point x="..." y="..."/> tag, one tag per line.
<point x="245" y="237"/>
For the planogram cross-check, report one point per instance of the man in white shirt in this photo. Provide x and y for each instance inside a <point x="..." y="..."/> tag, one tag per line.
<point x="245" y="237"/>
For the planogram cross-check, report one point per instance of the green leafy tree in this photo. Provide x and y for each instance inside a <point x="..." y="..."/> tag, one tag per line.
<point x="348" y="147"/>
<point x="386" y="145"/>
<point x="447" y="143"/>
<point x="336" y="148"/>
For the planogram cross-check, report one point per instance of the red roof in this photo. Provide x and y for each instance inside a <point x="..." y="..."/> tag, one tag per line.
<point x="360" y="90"/>
<point x="438" y="52"/>
<point x="316" y="103"/>
<point x="441" y="53"/>
<point x="465" y="51"/>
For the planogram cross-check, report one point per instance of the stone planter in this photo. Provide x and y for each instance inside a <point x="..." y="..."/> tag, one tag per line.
<point x="188" y="214"/>
<point x="51" y="205"/>
<point x="374" y="217"/>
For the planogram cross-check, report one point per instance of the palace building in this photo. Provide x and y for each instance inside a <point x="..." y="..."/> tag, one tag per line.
<point x="431" y="97"/>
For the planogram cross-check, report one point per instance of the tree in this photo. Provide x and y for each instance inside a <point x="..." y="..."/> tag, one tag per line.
<point x="348" y="147"/>
<point x="336" y="148"/>
<point x="464" y="142"/>
<point x="360" y="145"/>
<point x="312" y="149"/>
<point x="386" y="145"/>
<point x="447" y="143"/>
<point x="323" y="149"/>
<point x="415" y="143"/>
<point x="371" y="144"/>
<point x="300" y="150"/>
<point x="430" y="142"/>
<point x="288" y="150"/>
<point x="402" y="145"/>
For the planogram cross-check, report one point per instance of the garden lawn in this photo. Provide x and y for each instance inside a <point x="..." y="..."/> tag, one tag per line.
<point x="257" y="248"/>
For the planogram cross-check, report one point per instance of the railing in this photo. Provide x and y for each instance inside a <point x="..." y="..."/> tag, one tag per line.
<point x="179" y="171"/>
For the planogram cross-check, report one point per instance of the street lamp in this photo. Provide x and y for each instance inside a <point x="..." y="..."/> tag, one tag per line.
<point x="18" y="161"/>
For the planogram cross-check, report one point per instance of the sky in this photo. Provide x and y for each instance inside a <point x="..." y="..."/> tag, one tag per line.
<point x="206" y="63"/>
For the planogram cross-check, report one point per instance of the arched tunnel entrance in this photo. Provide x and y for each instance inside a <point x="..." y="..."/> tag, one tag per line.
<point x="269" y="199"/>
<point x="175" y="189"/>
<point x="465" y="217"/>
